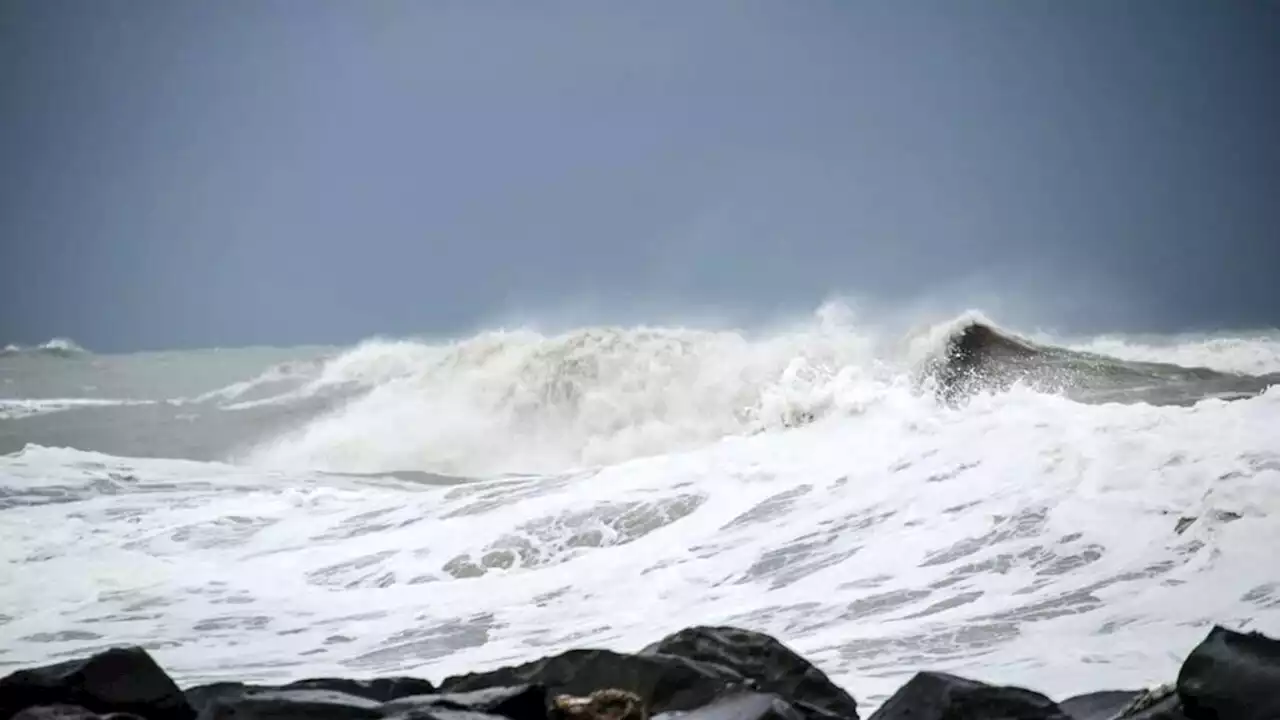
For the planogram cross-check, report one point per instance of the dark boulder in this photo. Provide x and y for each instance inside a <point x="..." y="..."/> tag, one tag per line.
<point x="1160" y="703"/>
<point x="68" y="712"/>
<point x="939" y="696"/>
<point x="1231" y="675"/>
<point x="119" y="680"/>
<point x="773" y="667"/>
<point x="378" y="689"/>
<point x="523" y="702"/>
<point x="663" y="682"/>
<point x="339" y="699"/>
<point x="1103" y="705"/>
<point x="280" y="704"/>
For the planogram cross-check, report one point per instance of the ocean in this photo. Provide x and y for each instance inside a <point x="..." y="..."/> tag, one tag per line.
<point x="1065" y="514"/>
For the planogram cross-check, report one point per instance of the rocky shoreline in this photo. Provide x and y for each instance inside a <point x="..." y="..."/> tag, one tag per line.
<point x="700" y="673"/>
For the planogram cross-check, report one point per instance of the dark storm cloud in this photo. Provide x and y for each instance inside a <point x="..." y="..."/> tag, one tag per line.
<point x="181" y="173"/>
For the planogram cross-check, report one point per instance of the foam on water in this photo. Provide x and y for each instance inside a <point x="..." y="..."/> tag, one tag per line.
<point x="1019" y="537"/>
<point x="11" y="409"/>
<point x="522" y="401"/>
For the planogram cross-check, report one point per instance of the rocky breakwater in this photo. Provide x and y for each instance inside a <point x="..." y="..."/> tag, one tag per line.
<point x="701" y="673"/>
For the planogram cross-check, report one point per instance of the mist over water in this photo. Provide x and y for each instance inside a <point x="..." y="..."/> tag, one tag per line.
<point x="883" y="495"/>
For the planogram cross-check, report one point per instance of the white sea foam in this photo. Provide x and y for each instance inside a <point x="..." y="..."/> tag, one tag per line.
<point x="522" y="401"/>
<point x="12" y="409"/>
<point x="1020" y="537"/>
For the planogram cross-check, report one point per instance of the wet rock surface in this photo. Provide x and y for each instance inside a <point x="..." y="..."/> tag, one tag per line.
<point x="700" y="673"/>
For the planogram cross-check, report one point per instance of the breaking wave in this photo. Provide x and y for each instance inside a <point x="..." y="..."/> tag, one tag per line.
<point x="523" y="401"/>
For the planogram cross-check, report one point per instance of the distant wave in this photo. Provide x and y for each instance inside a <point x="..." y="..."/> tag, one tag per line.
<point x="57" y="347"/>
<point x="979" y="357"/>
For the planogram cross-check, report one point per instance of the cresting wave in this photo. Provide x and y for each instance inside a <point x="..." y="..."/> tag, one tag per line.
<point x="521" y="401"/>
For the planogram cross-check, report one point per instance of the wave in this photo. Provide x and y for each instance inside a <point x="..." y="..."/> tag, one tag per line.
<point x="979" y="357"/>
<point x="56" y="347"/>
<point x="523" y="401"/>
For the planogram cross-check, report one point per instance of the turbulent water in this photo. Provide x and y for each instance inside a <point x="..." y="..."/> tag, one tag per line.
<point x="1060" y="514"/>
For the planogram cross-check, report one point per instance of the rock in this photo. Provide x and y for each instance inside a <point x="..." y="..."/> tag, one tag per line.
<point x="280" y="704"/>
<point x="939" y="696"/>
<point x="1161" y="703"/>
<point x="523" y="702"/>
<point x="119" y="680"/>
<point x="772" y="666"/>
<point x="744" y="706"/>
<point x="199" y="696"/>
<point x="1103" y="705"/>
<point x="1231" y="675"/>
<point x="379" y="689"/>
<point x="56" y="712"/>
<point x="69" y="712"/>
<point x="663" y="682"/>
<point x="603" y="704"/>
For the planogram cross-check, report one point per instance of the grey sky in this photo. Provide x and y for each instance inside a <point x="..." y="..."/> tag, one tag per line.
<point x="182" y="173"/>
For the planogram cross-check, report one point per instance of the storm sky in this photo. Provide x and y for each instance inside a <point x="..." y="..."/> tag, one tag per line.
<point x="180" y="173"/>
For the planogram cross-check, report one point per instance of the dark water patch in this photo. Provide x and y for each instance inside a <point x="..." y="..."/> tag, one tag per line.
<point x="355" y="618"/>
<point x="553" y="540"/>
<point x="554" y="640"/>
<point x="354" y="573"/>
<point x="810" y="553"/>
<point x="930" y="648"/>
<point x="791" y="563"/>
<point x="770" y="508"/>
<point x="953" y="473"/>
<point x="425" y="644"/>
<point x="1262" y="461"/>
<point x="866" y="583"/>
<point x="1074" y="602"/>
<point x="233" y="622"/>
<point x="947" y="604"/>
<point x="766" y="615"/>
<point x="481" y="497"/>
<point x="1028" y="523"/>
<point x="1062" y="564"/>
<point x="405" y="479"/>
<point x="149" y="603"/>
<point x="1111" y="626"/>
<point x="11" y="497"/>
<point x="123" y="618"/>
<point x="545" y="599"/>
<point x="857" y="523"/>
<point x="62" y="636"/>
<point x="881" y="603"/>
<point x="1264" y="596"/>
